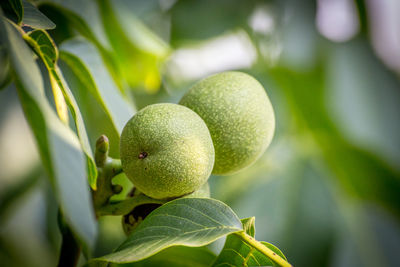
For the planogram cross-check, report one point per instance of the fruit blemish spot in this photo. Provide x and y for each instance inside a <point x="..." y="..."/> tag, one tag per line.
<point x="142" y="155"/>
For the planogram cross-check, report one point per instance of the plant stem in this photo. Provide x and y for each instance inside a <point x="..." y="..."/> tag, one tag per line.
<point x="107" y="169"/>
<point x="125" y="206"/>
<point x="70" y="250"/>
<point x="263" y="249"/>
<point x="105" y="189"/>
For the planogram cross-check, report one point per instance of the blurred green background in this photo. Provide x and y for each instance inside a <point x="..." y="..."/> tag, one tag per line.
<point x="326" y="192"/>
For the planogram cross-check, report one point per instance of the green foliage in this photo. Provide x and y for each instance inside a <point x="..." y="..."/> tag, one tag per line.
<point x="68" y="159"/>
<point x="135" y="48"/>
<point x="59" y="147"/>
<point x="86" y="63"/>
<point x="326" y="191"/>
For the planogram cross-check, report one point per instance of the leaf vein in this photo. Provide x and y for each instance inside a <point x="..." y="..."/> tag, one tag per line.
<point x="198" y="211"/>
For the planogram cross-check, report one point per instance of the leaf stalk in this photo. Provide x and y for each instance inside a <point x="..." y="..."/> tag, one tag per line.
<point x="263" y="249"/>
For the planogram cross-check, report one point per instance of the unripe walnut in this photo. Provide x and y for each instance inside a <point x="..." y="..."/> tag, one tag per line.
<point x="238" y="114"/>
<point x="166" y="151"/>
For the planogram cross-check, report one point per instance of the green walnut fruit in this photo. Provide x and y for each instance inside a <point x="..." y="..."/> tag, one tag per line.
<point x="238" y="114"/>
<point x="166" y="151"/>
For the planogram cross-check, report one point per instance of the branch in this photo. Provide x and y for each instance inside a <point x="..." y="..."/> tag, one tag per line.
<point x="125" y="206"/>
<point x="70" y="250"/>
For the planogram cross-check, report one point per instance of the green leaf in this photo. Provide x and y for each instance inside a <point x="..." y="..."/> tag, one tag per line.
<point x="193" y="20"/>
<point x="92" y="110"/>
<point x="13" y="10"/>
<point x="236" y="252"/>
<point x="360" y="172"/>
<point x="185" y="221"/>
<point x="71" y="22"/>
<point x="178" y="256"/>
<point x="67" y="16"/>
<point x="138" y="51"/>
<point x="45" y="48"/>
<point x="249" y="226"/>
<point x="5" y="74"/>
<point x="58" y="146"/>
<point x="48" y="52"/>
<point x="16" y="191"/>
<point x="87" y="65"/>
<point x="140" y="35"/>
<point x="34" y="18"/>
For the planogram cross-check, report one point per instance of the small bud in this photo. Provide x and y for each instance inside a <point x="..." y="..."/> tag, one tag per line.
<point x="101" y="153"/>
<point x="102" y="144"/>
